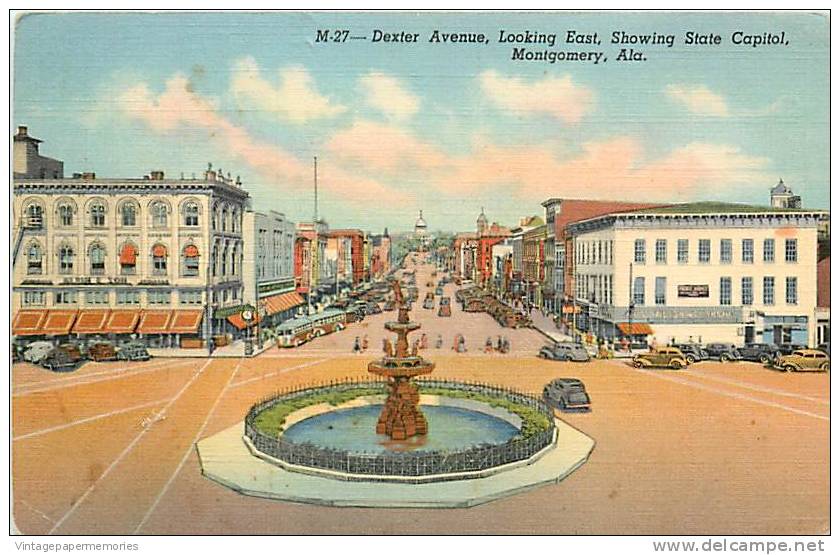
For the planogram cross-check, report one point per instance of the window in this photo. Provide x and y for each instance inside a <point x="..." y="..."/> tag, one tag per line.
<point x="128" y="296"/>
<point x="746" y="291"/>
<point x="192" y="296"/>
<point x="661" y="251"/>
<point x="790" y="250"/>
<point x="726" y="251"/>
<point x="725" y="291"/>
<point x="159" y="215"/>
<point x="96" y="297"/>
<point x="233" y="255"/>
<point x="639" y="291"/>
<point x="639" y="251"/>
<point x="97" y="215"/>
<point x="769" y="250"/>
<point x="65" y="297"/>
<point x="190" y="261"/>
<point x="769" y="290"/>
<point x="214" y="261"/>
<point x="159" y="260"/>
<point x="747" y="251"/>
<point x="34" y="259"/>
<point x="159" y="296"/>
<point x="35" y="215"/>
<point x="34" y="298"/>
<point x="224" y="219"/>
<point x="682" y="251"/>
<point x="128" y="260"/>
<point x="97" y="260"/>
<point x="65" y="259"/>
<point x="659" y="296"/>
<point x="704" y="251"/>
<point x="791" y="296"/>
<point x="129" y="214"/>
<point x="224" y="261"/>
<point x="191" y="214"/>
<point x="65" y="215"/>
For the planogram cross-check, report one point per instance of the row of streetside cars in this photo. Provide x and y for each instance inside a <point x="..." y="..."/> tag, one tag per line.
<point x="787" y="357"/>
<point x="69" y="356"/>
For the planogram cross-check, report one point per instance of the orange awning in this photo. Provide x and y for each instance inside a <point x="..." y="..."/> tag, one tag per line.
<point x="154" y="321"/>
<point x="159" y="251"/>
<point x="59" y="322"/>
<point x="185" y="321"/>
<point x="638" y="328"/>
<point x="573" y="309"/>
<point x="280" y="303"/>
<point x="239" y="322"/>
<point x="91" y="321"/>
<point x="122" y="321"/>
<point x="28" y="322"/>
<point x="128" y="255"/>
<point x="190" y="251"/>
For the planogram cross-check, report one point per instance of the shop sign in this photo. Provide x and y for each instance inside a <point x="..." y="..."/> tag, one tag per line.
<point x="694" y="291"/>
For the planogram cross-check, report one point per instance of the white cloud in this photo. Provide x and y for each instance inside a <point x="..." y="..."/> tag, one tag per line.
<point x="389" y="95"/>
<point x="699" y="99"/>
<point x="294" y="100"/>
<point x="556" y="96"/>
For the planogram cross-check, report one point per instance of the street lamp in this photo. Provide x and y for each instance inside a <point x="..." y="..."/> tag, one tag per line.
<point x="247" y="317"/>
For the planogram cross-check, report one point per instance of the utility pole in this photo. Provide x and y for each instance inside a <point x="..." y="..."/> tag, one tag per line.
<point x="630" y="308"/>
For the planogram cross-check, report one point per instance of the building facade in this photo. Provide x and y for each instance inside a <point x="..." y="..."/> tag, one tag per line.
<point x="698" y="272"/>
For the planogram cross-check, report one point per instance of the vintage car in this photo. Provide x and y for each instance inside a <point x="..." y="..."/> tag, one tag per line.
<point x="63" y="358"/>
<point x="568" y="394"/>
<point x="100" y="351"/>
<point x="445" y="307"/>
<point x="804" y="360"/>
<point x="429" y="303"/>
<point x="722" y="351"/>
<point x="133" y="351"/>
<point x="661" y="357"/>
<point x="36" y="351"/>
<point x="439" y="291"/>
<point x="789" y="348"/>
<point x="693" y="352"/>
<point x="758" y="352"/>
<point x="564" y="350"/>
<point x="373" y="308"/>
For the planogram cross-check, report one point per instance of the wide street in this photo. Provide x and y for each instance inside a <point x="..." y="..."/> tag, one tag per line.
<point x="714" y="449"/>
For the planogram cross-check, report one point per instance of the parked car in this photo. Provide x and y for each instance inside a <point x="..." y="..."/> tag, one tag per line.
<point x="445" y="307"/>
<point x="804" y="360"/>
<point x="825" y="347"/>
<point x="758" y="352"/>
<point x="564" y="350"/>
<point x="373" y="308"/>
<point x="133" y="351"/>
<point x="722" y="351"/>
<point x="693" y="352"/>
<point x="567" y="394"/>
<point x="63" y="358"/>
<point x="36" y="351"/>
<point x="661" y="357"/>
<point x="100" y="351"/>
<point x="429" y="303"/>
<point x="789" y="348"/>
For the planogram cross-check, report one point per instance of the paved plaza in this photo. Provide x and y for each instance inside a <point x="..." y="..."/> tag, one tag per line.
<point x="714" y="449"/>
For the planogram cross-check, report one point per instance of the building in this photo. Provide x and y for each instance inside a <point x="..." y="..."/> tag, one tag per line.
<point x="152" y="258"/>
<point x="517" y="234"/>
<point x="28" y="162"/>
<point x="309" y="267"/>
<point x="502" y="255"/>
<point x="698" y="272"/>
<point x="558" y="283"/>
<point x="380" y="258"/>
<point x="781" y="196"/>
<point x="822" y="314"/>
<point x="533" y="264"/>
<point x="268" y="271"/>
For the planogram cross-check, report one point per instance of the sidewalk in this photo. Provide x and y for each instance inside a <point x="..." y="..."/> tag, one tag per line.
<point x="234" y="350"/>
<point x="546" y="326"/>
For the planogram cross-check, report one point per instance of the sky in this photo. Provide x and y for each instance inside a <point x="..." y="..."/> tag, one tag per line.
<point x="446" y="128"/>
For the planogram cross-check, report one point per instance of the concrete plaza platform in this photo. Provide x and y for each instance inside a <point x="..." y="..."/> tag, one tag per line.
<point x="226" y="459"/>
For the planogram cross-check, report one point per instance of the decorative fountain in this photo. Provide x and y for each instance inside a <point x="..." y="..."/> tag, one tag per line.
<point x="401" y="417"/>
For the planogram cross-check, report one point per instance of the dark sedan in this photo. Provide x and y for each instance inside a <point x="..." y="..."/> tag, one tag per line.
<point x="693" y="352"/>
<point x="63" y="358"/>
<point x="564" y="350"/>
<point x="758" y="352"/>
<point x="722" y="351"/>
<point x="567" y="394"/>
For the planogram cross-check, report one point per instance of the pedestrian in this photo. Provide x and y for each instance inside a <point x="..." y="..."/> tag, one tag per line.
<point x="499" y="343"/>
<point x="488" y="345"/>
<point x="439" y="342"/>
<point x="424" y="342"/>
<point x="505" y="345"/>
<point x="357" y="346"/>
<point x="365" y="343"/>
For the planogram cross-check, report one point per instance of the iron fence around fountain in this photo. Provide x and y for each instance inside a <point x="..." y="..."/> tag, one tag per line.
<point x="405" y="464"/>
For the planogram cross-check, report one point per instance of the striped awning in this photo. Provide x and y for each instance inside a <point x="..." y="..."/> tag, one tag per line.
<point x="122" y="321"/>
<point x="28" y="322"/>
<point x="185" y="321"/>
<point x="91" y="321"/>
<point x="239" y="322"/>
<point x="154" y="321"/>
<point x="280" y="303"/>
<point x="59" y="322"/>
<point x="637" y="328"/>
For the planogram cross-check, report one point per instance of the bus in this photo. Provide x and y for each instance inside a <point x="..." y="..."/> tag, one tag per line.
<point x="294" y="332"/>
<point x="328" y="321"/>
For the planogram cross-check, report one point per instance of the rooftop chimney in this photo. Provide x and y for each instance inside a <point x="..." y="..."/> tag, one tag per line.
<point x="23" y="131"/>
<point x="90" y="176"/>
<point x="156" y="175"/>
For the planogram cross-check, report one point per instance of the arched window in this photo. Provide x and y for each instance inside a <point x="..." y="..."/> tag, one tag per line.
<point x="97" y="214"/>
<point x="128" y="212"/>
<point x="190" y="265"/>
<point x="34" y="259"/>
<point x="159" y="215"/>
<point x="191" y="214"/>
<point x="214" y="260"/>
<point x="65" y="259"/>
<point x="159" y="260"/>
<point x="65" y="215"/>
<point x="233" y="222"/>
<point x="128" y="259"/>
<point x="97" y="259"/>
<point x="35" y="215"/>
<point x="224" y="261"/>
<point x="233" y="262"/>
<point x="224" y="219"/>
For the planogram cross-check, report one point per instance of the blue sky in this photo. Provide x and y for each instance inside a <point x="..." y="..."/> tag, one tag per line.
<point x="445" y="128"/>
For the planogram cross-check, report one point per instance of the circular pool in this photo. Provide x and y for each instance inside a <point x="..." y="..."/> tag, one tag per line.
<point x="353" y="429"/>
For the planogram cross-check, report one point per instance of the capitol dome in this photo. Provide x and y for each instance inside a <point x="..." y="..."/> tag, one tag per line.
<point x="420" y="224"/>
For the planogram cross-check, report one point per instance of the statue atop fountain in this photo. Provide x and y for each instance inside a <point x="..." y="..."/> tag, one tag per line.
<point x="401" y="417"/>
